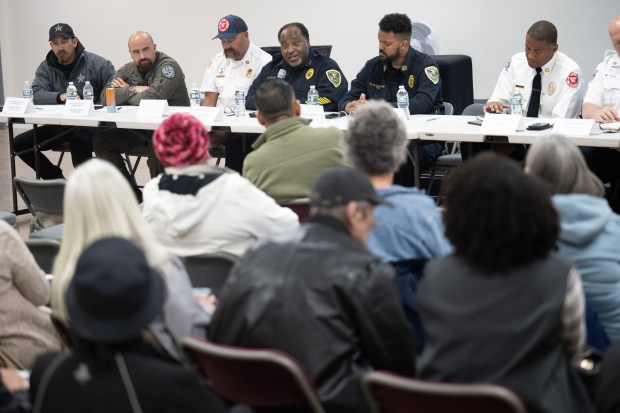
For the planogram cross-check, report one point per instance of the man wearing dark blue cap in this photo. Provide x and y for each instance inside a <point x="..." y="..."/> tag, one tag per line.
<point x="302" y="66"/>
<point x="321" y="296"/>
<point x="68" y="61"/>
<point x="234" y="68"/>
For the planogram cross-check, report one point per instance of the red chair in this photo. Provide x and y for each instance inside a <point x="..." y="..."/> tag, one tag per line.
<point x="390" y="393"/>
<point x="258" y="378"/>
<point x="300" y="206"/>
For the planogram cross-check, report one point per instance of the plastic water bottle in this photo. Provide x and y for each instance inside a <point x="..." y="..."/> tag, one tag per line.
<point x="194" y="95"/>
<point x="27" y="90"/>
<point x="88" y="93"/>
<point x="402" y="100"/>
<point x="516" y="102"/>
<point x="239" y="103"/>
<point x="71" y="92"/>
<point x="313" y="96"/>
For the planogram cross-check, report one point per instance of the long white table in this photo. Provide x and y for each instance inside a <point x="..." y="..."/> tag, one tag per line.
<point x="419" y="127"/>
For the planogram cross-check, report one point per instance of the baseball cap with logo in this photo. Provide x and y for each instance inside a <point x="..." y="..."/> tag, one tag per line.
<point x="341" y="185"/>
<point x="230" y="26"/>
<point x="61" y="29"/>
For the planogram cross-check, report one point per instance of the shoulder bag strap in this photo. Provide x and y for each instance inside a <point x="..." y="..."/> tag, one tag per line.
<point x="131" y="391"/>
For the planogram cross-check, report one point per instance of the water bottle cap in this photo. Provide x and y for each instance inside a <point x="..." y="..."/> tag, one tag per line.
<point x="70" y="83"/>
<point x="311" y="86"/>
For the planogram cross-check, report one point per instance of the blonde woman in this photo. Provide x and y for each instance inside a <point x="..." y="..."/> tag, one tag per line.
<point x="99" y="203"/>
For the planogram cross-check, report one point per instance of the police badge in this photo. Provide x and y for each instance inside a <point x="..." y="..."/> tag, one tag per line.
<point x="551" y="89"/>
<point x="432" y="73"/>
<point x="334" y="76"/>
<point x="309" y="73"/>
<point x="168" y="71"/>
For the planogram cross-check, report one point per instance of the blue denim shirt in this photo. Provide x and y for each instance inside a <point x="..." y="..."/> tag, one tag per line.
<point x="412" y="229"/>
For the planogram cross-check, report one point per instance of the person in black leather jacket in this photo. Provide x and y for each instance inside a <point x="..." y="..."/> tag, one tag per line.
<point x="319" y="295"/>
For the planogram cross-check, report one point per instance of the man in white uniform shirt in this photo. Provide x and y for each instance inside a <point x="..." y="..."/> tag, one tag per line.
<point x="234" y="68"/>
<point x="602" y="103"/>
<point x="561" y="89"/>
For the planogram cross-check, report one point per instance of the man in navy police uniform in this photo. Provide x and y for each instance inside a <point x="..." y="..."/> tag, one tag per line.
<point x="302" y="66"/>
<point x="398" y="64"/>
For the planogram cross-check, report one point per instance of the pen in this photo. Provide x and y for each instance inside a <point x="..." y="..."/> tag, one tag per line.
<point x="428" y="120"/>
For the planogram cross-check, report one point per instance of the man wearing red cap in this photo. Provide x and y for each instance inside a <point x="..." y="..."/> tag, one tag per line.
<point x="234" y="68"/>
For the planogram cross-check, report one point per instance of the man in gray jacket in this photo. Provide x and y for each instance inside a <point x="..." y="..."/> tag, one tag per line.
<point x="68" y="61"/>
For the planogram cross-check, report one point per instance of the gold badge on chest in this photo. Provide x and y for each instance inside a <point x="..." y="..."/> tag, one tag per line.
<point x="550" y="88"/>
<point x="309" y="73"/>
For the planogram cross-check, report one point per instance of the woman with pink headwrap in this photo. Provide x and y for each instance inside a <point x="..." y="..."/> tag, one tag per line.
<point x="195" y="208"/>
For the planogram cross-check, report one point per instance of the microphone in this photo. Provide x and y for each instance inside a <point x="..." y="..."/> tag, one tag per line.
<point x="281" y="74"/>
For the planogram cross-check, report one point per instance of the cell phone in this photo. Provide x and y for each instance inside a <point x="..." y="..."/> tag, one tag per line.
<point x="252" y="114"/>
<point x="475" y="122"/>
<point x="539" y="126"/>
<point x="332" y="115"/>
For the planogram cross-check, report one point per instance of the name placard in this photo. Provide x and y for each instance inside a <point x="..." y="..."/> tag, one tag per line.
<point x="17" y="106"/>
<point x="153" y="108"/>
<point x="79" y="107"/>
<point x="576" y="127"/>
<point x="206" y="114"/>
<point x="499" y="124"/>
<point x="316" y="113"/>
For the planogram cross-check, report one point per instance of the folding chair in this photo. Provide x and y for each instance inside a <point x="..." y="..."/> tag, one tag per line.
<point x="209" y="270"/>
<point x="44" y="252"/>
<point x="256" y="378"/>
<point x="300" y="206"/>
<point x="41" y="196"/>
<point x="390" y="393"/>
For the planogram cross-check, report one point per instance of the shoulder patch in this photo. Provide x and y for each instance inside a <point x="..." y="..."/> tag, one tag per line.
<point x="572" y="80"/>
<point x="309" y="74"/>
<point x="334" y="77"/>
<point x="168" y="71"/>
<point x="507" y="65"/>
<point x="432" y="73"/>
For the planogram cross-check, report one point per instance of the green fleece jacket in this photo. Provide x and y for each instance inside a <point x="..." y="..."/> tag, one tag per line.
<point x="289" y="156"/>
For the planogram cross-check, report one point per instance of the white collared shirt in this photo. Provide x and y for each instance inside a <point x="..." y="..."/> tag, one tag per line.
<point x="562" y="85"/>
<point x="604" y="88"/>
<point x="224" y="75"/>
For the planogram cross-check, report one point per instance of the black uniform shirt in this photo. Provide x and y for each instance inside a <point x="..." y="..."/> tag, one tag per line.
<point x="419" y="74"/>
<point x="318" y="70"/>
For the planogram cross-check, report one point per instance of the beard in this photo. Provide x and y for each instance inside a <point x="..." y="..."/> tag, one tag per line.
<point x="231" y="53"/>
<point x="145" y="65"/>
<point x="387" y="58"/>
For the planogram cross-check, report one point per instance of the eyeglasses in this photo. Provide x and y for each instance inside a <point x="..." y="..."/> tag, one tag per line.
<point x="63" y="42"/>
<point x="609" y="127"/>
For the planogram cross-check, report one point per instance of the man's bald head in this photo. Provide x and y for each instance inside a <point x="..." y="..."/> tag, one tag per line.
<point x="142" y="50"/>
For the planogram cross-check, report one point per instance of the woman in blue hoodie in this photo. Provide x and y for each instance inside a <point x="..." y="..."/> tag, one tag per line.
<point x="590" y="230"/>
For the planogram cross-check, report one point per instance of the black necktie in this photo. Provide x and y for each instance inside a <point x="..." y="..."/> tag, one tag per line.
<point x="532" y="109"/>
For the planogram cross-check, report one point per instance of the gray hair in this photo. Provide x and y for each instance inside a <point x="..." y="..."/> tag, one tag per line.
<point x="559" y="163"/>
<point x="376" y="140"/>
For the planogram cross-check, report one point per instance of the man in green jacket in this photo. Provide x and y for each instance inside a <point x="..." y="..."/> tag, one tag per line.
<point x="151" y="75"/>
<point x="290" y="155"/>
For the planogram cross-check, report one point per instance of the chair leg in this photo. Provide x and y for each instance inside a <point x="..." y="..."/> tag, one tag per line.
<point x="431" y="180"/>
<point x="132" y="168"/>
<point x="62" y="154"/>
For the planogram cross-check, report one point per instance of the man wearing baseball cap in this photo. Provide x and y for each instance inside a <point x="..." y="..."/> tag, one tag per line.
<point x="68" y="61"/>
<point x="332" y="304"/>
<point x="234" y="68"/>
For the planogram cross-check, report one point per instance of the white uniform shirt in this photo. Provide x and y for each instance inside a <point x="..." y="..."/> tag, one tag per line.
<point x="604" y="88"/>
<point x="224" y="75"/>
<point x="562" y="85"/>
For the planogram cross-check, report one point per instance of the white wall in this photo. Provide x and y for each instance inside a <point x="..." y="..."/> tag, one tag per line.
<point x="489" y="32"/>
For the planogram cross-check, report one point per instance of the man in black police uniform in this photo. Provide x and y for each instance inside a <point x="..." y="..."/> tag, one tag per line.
<point x="302" y="66"/>
<point x="399" y="64"/>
